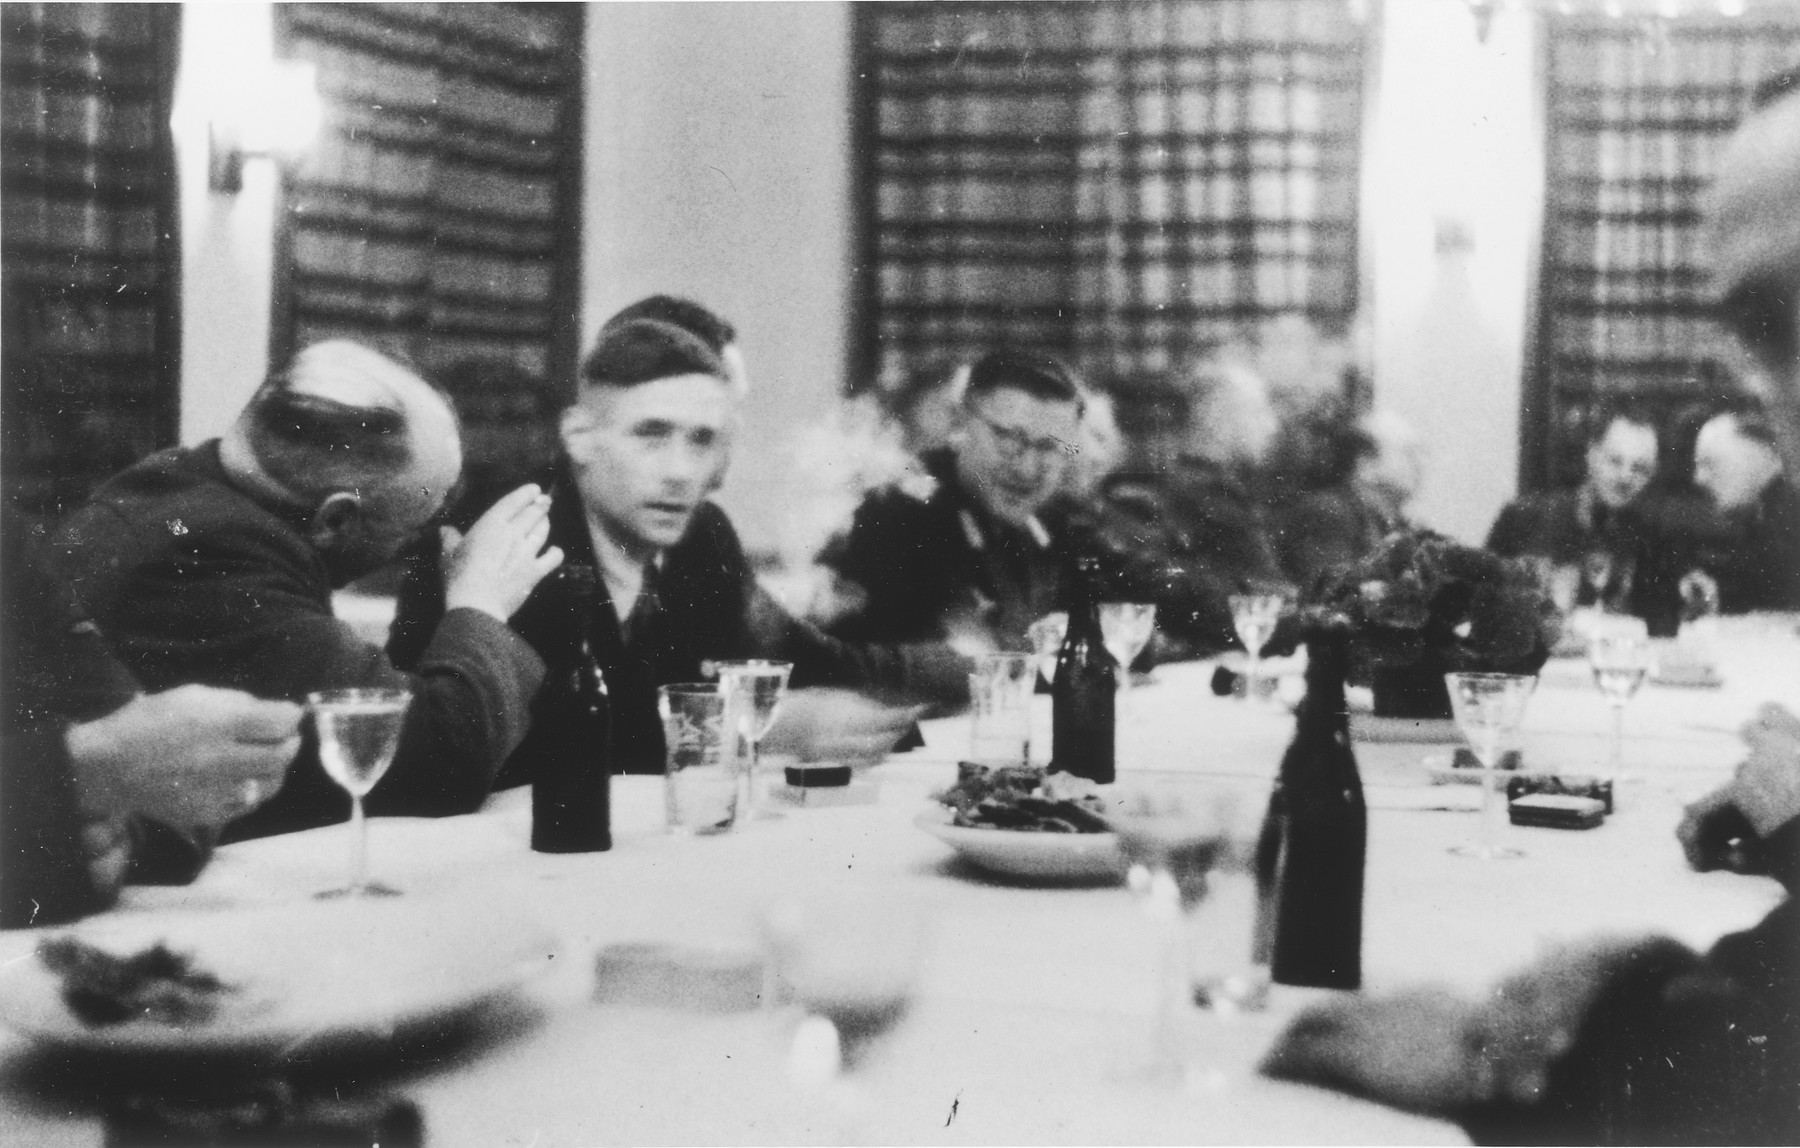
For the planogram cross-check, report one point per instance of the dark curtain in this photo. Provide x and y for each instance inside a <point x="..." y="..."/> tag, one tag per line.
<point x="1637" y="112"/>
<point x="436" y="217"/>
<point x="88" y="250"/>
<point x="1127" y="183"/>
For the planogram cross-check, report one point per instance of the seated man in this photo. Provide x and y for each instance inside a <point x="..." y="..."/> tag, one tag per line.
<point x="1756" y="563"/>
<point x="972" y="564"/>
<point x="642" y="445"/>
<point x="103" y="783"/>
<point x="1598" y="527"/>
<point x="1642" y="1042"/>
<point x="1183" y="523"/>
<point x="215" y="564"/>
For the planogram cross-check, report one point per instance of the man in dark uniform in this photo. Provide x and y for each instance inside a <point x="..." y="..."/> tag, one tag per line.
<point x="972" y="564"/>
<point x="216" y="564"/>
<point x="642" y="444"/>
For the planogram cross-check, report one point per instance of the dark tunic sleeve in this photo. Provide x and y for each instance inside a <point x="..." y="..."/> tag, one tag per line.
<point x="244" y="603"/>
<point x="1681" y="1048"/>
<point x="54" y="671"/>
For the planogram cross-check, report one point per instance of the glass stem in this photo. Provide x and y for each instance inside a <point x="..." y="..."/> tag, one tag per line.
<point x="1253" y="674"/>
<point x="1615" y="753"/>
<point x="1490" y="808"/>
<point x="755" y="766"/>
<point x="359" y="847"/>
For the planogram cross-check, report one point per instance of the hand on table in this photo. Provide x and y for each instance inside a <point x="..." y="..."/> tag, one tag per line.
<point x="1417" y="1049"/>
<point x="190" y="756"/>
<point x="497" y="565"/>
<point x="838" y="725"/>
<point x="1431" y="1051"/>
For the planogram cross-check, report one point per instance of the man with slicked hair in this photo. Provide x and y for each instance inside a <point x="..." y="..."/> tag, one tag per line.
<point x="216" y="563"/>
<point x="698" y="320"/>
<point x="674" y="590"/>
<point x="973" y="563"/>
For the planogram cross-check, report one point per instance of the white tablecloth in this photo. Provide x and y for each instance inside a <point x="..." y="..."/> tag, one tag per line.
<point x="1028" y="994"/>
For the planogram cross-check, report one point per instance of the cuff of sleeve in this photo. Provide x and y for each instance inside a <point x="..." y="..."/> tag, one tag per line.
<point x="488" y="632"/>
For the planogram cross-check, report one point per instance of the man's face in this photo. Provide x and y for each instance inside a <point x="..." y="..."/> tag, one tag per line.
<point x="1622" y="463"/>
<point x="1014" y="449"/>
<point x="1732" y="468"/>
<point x="646" y="455"/>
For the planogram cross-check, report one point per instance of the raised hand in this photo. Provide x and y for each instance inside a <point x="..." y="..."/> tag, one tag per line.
<point x="191" y="756"/>
<point x="838" y="725"/>
<point x="497" y="565"/>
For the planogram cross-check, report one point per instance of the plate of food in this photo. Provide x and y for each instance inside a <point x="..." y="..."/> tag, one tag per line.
<point x="266" y="980"/>
<point x="1020" y="822"/>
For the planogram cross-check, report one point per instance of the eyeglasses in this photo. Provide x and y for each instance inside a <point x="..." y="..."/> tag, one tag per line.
<point x="1015" y="444"/>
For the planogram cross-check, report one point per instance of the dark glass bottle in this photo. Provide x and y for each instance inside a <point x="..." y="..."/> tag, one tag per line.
<point x="1309" y="860"/>
<point x="571" y="795"/>
<point x="1083" y="696"/>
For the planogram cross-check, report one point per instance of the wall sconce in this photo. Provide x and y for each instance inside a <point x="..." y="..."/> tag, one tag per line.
<point x="273" y="114"/>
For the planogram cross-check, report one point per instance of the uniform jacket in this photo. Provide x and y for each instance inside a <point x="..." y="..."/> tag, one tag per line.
<point x="192" y="580"/>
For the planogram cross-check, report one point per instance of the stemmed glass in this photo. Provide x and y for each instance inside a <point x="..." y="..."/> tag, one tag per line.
<point x="1047" y="634"/>
<point x="1185" y="843"/>
<point x="1619" y="655"/>
<point x="1125" y="629"/>
<point x="358" y="731"/>
<point x="1255" y="617"/>
<point x="1489" y="708"/>
<point x="753" y="692"/>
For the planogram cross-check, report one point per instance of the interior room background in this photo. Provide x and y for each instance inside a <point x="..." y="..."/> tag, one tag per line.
<point x="1495" y="200"/>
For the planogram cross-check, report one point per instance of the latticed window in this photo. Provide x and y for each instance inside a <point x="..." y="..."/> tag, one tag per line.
<point x="1127" y="183"/>
<point x="436" y="215"/>
<point x="1638" y="112"/>
<point x="89" y="342"/>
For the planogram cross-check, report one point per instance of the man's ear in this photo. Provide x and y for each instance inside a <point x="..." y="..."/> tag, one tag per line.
<point x="575" y="421"/>
<point x="335" y="517"/>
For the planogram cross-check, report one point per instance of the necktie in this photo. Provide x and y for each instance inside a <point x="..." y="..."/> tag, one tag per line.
<point x="644" y="610"/>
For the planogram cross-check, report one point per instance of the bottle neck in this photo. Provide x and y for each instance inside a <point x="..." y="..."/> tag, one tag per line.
<point x="1327" y="665"/>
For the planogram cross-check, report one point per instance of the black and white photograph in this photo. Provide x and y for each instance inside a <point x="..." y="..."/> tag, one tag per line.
<point x="1028" y="572"/>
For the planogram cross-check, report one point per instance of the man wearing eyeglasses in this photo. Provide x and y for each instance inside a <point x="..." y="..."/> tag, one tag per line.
<point x="972" y="565"/>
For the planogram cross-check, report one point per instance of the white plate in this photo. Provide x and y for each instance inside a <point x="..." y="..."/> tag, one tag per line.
<point x="312" y="972"/>
<point x="1019" y="853"/>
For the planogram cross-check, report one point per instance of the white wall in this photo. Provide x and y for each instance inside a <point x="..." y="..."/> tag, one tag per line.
<point x="718" y="167"/>
<point x="227" y="241"/>
<point x="1454" y="148"/>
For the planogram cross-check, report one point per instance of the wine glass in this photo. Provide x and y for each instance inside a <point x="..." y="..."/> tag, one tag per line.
<point x="1255" y="617"/>
<point x="753" y="691"/>
<point x="1047" y="634"/>
<point x="1187" y="846"/>
<point x="1488" y="709"/>
<point x="1125" y="629"/>
<point x="849" y="958"/>
<point x="1619" y="655"/>
<point x="358" y="731"/>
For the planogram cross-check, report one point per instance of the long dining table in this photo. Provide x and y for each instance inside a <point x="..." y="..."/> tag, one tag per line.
<point x="1026" y="992"/>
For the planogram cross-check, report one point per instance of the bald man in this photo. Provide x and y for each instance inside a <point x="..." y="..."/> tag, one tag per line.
<point x="216" y="563"/>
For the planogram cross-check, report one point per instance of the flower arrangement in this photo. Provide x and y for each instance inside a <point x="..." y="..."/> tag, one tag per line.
<point x="1430" y="605"/>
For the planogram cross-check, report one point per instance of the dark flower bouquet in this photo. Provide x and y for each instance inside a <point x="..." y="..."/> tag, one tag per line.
<point x="1423" y="600"/>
